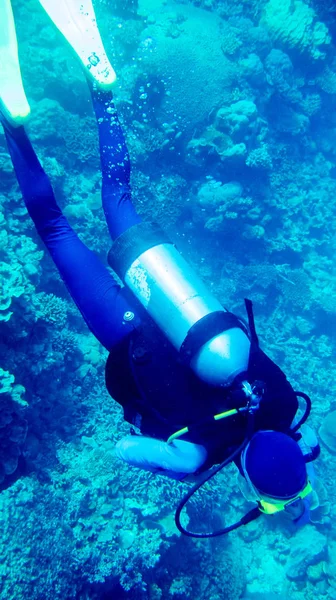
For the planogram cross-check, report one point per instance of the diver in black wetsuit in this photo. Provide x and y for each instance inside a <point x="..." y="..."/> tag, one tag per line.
<point x="188" y="373"/>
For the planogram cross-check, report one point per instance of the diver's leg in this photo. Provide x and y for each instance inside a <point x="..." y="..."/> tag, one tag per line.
<point x="115" y="163"/>
<point x="93" y="289"/>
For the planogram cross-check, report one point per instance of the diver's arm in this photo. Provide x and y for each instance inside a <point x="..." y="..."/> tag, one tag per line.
<point x="176" y="460"/>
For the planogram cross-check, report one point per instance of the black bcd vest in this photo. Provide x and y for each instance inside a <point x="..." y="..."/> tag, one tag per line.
<point x="160" y="394"/>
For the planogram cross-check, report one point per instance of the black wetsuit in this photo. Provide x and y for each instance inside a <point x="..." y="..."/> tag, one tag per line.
<point x="161" y="395"/>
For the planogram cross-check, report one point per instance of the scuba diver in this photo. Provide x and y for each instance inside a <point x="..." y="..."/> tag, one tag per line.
<point x="189" y="374"/>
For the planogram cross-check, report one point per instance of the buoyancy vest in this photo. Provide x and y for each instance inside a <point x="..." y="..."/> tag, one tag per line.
<point x="160" y="394"/>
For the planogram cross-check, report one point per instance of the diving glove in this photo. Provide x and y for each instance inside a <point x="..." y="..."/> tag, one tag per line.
<point x="76" y="20"/>
<point x="13" y="102"/>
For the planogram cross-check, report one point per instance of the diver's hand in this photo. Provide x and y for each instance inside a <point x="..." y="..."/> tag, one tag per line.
<point x="177" y="460"/>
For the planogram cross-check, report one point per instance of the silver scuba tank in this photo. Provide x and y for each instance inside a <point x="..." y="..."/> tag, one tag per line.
<point x="180" y="304"/>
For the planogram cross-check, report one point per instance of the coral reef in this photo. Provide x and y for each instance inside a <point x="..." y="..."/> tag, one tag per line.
<point x="295" y="25"/>
<point x="13" y="427"/>
<point x="327" y="432"/>
<point x="11" y="287"/>
<point x="228" y="110"/>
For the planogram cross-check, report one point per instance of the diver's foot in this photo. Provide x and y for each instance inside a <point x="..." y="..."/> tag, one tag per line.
<point x="7" y="120"/>
<point x="77" y="22"/>
<point x="14" y="105"/>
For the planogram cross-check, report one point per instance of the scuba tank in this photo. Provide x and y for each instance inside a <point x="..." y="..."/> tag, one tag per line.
<point x="213" y="341"/>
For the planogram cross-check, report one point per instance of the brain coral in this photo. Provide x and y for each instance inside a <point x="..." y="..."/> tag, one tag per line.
<point x="192" y="65"/>
<point x="327" y="81"/>
<point x="294" y="23"/>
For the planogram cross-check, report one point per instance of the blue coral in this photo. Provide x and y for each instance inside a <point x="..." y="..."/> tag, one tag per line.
<point x="228" y="110"/>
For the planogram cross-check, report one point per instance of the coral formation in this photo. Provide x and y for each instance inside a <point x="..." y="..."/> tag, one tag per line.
<point x="11" y="287"/>
<point x="228" y="110"/>
<point x="13" y="427"/>
<point x="327" y="432"/>
<point x="295" y="25"/>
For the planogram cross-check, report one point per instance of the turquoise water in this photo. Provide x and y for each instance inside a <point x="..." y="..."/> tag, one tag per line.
<point x="228" y="110"/>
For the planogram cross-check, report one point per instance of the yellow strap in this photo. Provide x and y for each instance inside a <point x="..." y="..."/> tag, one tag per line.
<point x="218" y="417"/>
<point x="177" y="434"/>
<point x="225" y="414"/>
<point x="13" y="101"/>
<point x="76" y="20"/>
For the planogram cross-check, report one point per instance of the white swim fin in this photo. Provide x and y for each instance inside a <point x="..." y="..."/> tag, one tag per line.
<point x="13" y="102"/>
<point x="76" y="20"/>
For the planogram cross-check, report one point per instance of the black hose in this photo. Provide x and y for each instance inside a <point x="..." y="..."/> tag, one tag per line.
<point x="306" y="412"/>
<point x="250" y="516"/>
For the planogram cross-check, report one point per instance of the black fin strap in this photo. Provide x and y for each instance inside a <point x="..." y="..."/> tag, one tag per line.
<point x="250" y="316"/>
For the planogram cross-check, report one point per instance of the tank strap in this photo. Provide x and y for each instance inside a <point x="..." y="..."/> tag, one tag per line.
<point x="132" y="243"/>
<point x="205" y="329"/>
<point x="253" y="334"/>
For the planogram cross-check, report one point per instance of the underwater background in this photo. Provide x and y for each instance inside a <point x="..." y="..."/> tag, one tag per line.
<point x="229" y="113"/>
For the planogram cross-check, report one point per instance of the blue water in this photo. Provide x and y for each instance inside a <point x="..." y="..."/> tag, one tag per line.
<point x="229" y="113"/>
